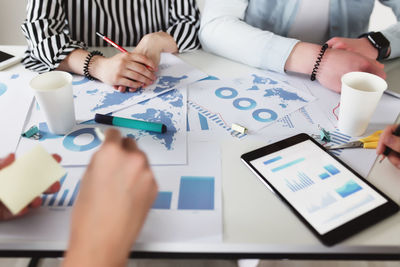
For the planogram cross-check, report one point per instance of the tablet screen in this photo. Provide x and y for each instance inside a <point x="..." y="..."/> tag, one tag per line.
<point x="319" y="187"/>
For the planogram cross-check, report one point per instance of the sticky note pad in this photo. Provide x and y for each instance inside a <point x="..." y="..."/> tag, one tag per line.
<point x="28" y="177"/>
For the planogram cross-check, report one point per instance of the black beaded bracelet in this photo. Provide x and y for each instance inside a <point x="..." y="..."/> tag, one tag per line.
<point x="318" y="62"/>
<point x="87" y="62"/>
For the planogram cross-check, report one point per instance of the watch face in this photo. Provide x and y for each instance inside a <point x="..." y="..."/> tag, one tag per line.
<point x="380" y="40"/>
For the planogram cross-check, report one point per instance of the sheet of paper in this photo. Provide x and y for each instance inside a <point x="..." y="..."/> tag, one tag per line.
<point x="27" y="177"/>
<point x="188" y="207"/>
<point x="169" y="109"/>
<point x="15" y="100"/>
<point x="77" y="147"/>
<point x="95" y="97"/>
<point x="253" y="101"/>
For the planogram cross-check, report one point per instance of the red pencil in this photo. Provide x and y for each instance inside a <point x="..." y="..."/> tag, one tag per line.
<point x="111" y="42"/>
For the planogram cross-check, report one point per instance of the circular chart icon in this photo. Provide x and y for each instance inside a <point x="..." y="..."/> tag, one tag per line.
<point x="89" y="140"/>
<point x="221" y="92"/>
<point x="244" y="103"/>
<point x="81" y="81"/>
<point x="265" y="115"/>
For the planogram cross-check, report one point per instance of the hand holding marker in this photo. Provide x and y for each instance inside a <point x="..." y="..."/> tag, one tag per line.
<point x="388" y="149"/>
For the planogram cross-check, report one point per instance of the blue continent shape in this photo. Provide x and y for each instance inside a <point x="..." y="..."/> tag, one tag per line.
<point x="284" y="95"/>
<point x="167" y="82"/>
<point x="116" y="98"/>
<point x="92" y="92"/>
<point x="262" y="80"/>
<point x="173" y="97"/>
<point x="253" y="88"/>
<point x="14" y="76"/>
<point x="165" y="117"/>
<point x="3" y="88"/>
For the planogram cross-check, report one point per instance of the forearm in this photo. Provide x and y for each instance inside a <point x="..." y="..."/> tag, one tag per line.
<point x="75" y="61"/>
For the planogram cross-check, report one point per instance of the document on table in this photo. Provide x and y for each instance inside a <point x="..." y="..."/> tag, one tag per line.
<point x="77" y="147"/>
<point x="188" y="207"/>
<point x="92" y="97"/>
<point x="15" y="100"/>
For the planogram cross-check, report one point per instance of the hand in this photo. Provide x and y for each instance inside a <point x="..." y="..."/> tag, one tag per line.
<point x="5" y="214"/>
<point x="387" y="139"/>
<point x="361" y="46"/>
<point x="116" y="193"/>
<point x="334" y="64"/>
<point x="153" y="44"/>
<point x="124" y="70"/>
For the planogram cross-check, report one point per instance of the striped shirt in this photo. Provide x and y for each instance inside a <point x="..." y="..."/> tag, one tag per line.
<point x="54" y="28"/>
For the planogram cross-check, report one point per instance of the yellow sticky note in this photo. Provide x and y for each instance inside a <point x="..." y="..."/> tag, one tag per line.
<point x="28" y="177"/>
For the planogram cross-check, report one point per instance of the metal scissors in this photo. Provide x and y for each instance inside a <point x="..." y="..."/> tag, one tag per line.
<point x="366" y="142"/>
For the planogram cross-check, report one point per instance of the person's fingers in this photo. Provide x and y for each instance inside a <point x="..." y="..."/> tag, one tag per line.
<point x="57" y="157"/>
<point x="122" y="89"/>
<point x="143" y="59"/>
<point x="136" y="76"/>
<point x="386" y="132"/>
<point x="36" y="203"/>
<point x="113" y="136"/>
<point x="394" y="158"/>
<point x="135" y="89"/>
<point x="392" y="141"/>
<point x="129" y="144"/>
<point x="53" y="188"/>
<point x="125" y="82"/>
<point x="7" y="161"/>
<point x="140" y="68"/>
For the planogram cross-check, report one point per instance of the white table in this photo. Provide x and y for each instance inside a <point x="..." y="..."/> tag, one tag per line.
<point x="256" y="223"/>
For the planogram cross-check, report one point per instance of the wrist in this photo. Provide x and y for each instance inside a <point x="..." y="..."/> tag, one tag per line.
<point x="372" y="52"/>
<point x="97" y="65"/>
<point x="302" y="58"/>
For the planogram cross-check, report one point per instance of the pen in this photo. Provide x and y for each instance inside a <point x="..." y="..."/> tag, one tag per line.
<point x="388" y="149"/>
<point x="130" y="123"/>
<point x="108" y="40"/>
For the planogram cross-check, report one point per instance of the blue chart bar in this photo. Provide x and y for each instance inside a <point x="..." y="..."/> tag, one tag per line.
<point x="287" y="165"/>
<point x="64" y="196"/>
<point x="163" y="201"/>
<point x="187" y="124"/>
<point x="272" y="160"/>
<point x="203" y="122"/>
<point x="54" y="197"/>
<point x="324" y="175"/>
<point x="302" y="182"/>
<point x="74" y="194"/>
<point x="196" y="193"/>
<point x="325" y="201"/>
<point x="349" y="188"/>
<point x="331" y="169"/>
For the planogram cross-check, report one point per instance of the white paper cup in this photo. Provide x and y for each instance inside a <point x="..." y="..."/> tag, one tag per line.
<point x="53" y="92"/>
<point x="361" y="93"/>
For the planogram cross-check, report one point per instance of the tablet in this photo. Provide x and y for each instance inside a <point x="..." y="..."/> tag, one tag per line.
<point x="333" y="200"/>
<point x="7" y="60"/>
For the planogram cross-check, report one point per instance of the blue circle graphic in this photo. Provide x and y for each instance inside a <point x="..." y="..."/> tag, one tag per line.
<point x="237" y="103"/>
<point x="273" y="115"/>
<point x="79" y="82"/>
<point x="3" y="88"/>
<point x="219" y="92"/>
<point x="69" y="140"/>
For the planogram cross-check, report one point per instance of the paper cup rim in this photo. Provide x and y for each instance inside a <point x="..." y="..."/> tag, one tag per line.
<point x="365" y="75"/>
<point x="66" y="75"/>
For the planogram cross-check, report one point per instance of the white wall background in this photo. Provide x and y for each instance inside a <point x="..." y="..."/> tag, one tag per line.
<point x="12" y="13"/>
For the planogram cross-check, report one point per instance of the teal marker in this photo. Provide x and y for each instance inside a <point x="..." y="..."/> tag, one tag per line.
<point x="130" y="123"/>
